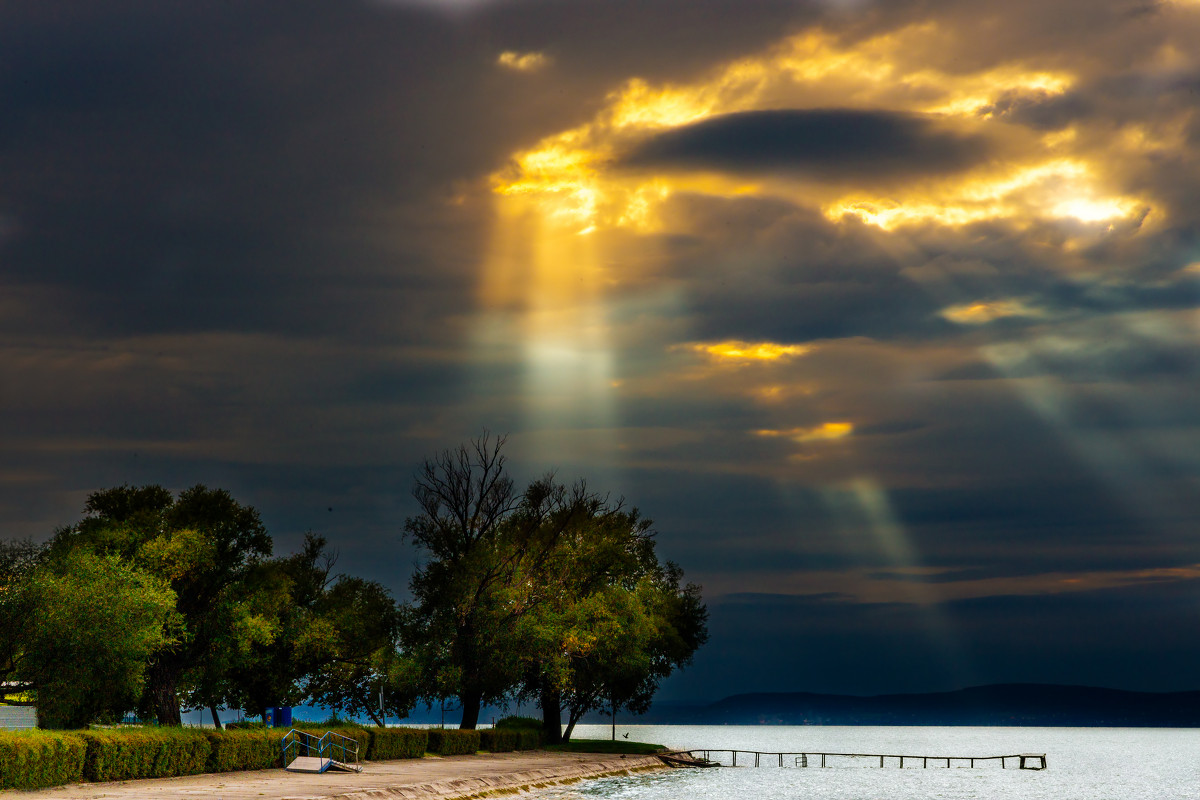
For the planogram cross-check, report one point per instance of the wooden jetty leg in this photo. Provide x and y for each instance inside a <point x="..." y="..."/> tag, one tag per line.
<point x="756" y="755"/>
<point x="735" y="758"/>
<point x="881" y="762"/>
<point x="947" y="763"/>
<point x="901" y="762"/>
<point x="1001" y="762"/>
<point x="822" y="759"/>
<point x="781" y="759"/>
<point x="972" y="763"/>
<point x="925" y="763"/>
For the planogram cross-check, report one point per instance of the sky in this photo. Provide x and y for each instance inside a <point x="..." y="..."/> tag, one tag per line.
<point x="886" y="313"/>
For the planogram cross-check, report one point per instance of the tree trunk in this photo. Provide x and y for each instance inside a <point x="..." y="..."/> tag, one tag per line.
<point x="572" y="718"/>
<point x="163" y="680"/>
<point x="216" y="719"/>
<point x="471" y="700"/>
<point x="551" y="715"/>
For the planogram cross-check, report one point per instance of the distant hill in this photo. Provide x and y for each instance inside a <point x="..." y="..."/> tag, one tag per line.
<point x="1002" y="704"/>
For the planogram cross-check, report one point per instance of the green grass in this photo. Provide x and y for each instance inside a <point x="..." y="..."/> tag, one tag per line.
<point x="606" y="746"/>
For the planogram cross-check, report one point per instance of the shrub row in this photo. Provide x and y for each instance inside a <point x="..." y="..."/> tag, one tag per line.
<point x="388" y="743"/>
<point x="452" y="742"/>
<point x="124" y="754"/>
<point x="34" y="759"/>
<point x="500" y="740"/>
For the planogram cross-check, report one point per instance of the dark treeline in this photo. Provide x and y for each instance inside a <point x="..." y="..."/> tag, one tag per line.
<point x="155" y="602"/>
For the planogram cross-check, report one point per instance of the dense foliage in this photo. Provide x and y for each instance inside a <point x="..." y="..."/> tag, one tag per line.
<point x="553" y="593"/>
<point x="155" y="602"/>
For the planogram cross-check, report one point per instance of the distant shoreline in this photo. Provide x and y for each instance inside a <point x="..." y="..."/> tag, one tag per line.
<point x="1007" y="705"/>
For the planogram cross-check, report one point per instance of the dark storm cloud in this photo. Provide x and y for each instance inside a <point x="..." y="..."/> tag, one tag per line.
<point x="1133" y="636"/>
<point x="832" y="143"/>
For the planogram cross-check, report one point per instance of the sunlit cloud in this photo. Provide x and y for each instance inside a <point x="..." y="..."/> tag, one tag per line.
<point x="1059" y="188"/>
<point x="984" y="312"/>
<point x="522" y="62"/>
<point x="736" y="350"/>
<point x="825" y="432"/>
<point x="571" y="174"/>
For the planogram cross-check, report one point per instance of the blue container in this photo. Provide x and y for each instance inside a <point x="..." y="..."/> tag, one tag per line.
<point x="269" y="717"/>
<point x="283" y="716"/>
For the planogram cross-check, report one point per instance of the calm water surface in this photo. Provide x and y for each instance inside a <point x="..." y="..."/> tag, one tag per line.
<point x="1084" y="764"/>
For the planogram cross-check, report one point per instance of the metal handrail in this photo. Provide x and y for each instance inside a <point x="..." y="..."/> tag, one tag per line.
<point x="329" y="745"/>
<point x="306" y="744"/>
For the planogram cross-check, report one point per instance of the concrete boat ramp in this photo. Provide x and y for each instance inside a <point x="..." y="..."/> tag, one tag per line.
<point x="428" y="778"/>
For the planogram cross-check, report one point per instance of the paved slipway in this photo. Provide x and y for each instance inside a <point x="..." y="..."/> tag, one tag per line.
<point x="427" y="778"/>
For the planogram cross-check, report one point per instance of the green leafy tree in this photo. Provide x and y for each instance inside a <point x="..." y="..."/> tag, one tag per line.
<point x="334" y="642"/>
<point x="483" y="541"/>
<point x="205" y="545"/>
<point x="626" y="641"/>
<point x="18" y="561"/>
<point x="94" y="623"/>
<point x="612" y="622"/>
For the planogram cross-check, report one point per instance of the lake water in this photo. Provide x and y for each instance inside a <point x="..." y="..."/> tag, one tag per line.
<point x="1083" y="764"/>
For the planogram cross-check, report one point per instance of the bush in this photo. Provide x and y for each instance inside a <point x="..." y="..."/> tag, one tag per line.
<point x="519" y="723"/>
<point x="452" y="742"/>
<point x="499" y="740"/>
<point x="234" y="750"/>
<point x="34" y="759"/>
<point x="118" y="755"/>
<point x="389" y="743"/>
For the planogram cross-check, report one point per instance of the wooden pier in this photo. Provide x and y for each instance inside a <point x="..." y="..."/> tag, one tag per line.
<point x="1034" y="761"/>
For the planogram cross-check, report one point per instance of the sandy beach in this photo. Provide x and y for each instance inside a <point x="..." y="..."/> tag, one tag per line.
<point x="430" y="778"/>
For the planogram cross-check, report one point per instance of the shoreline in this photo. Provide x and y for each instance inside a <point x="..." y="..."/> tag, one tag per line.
<point x="429" y="778"/>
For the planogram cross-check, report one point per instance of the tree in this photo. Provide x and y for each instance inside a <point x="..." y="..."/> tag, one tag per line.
<point x="95" y="622"/>
<point x="612" y="622"/>
<point x="205" y="545"/>
<point x="554" y="593"/>
<point x="482" y="540"/>
<point x="639" y="636"/>
<point x="18" y="561"/>
<point x="334" y="642"/>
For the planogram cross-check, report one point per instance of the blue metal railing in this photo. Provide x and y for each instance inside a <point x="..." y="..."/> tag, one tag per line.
<point x="330" y="747"/>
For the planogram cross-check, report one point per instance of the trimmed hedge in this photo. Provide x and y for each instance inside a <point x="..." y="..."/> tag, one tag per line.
<point x="500" y="740"/>
<point x="35" y="759"/>
<point x="244" y="749"/>
<point x="519" y="723"/>
<point x="119" y="755"/>
<point x="389" y="743"/>
<point x="453" y="742"/>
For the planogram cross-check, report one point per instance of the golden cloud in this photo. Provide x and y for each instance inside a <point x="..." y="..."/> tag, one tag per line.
<point x="983" y="312"/>
<point x="825" y="432"/>
<point x="737" y="350"/>
<point x="522" y="62"/>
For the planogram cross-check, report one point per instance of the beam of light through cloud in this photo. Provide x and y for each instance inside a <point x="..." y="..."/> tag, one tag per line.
<point x="863" y="505"/>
